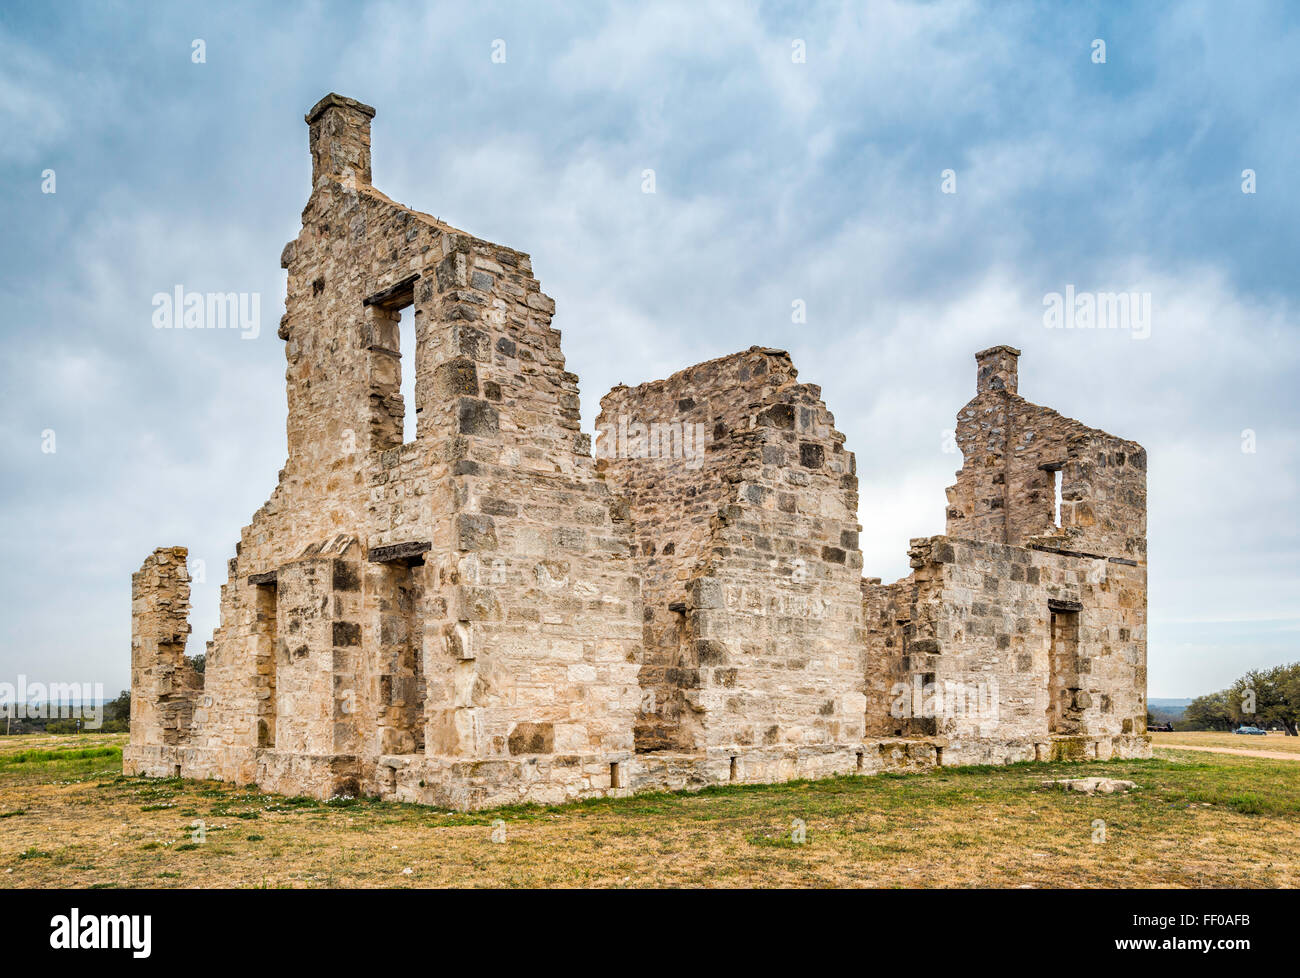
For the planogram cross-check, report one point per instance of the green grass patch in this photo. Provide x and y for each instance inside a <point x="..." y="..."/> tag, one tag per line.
<point x="45" y="756"/>
<point x="778" y="841"/>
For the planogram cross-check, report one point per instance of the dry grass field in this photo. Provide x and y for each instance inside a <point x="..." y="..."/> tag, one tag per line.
<point x="69" y="818"/>
<point x="1272" y="743"/>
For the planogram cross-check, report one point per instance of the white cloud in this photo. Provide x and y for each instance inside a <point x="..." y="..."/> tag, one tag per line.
<point x="775" y="181"/>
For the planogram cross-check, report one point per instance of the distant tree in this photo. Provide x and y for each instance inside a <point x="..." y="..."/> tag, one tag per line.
<point x="1289" y="686"/>
<point x="1268" y="697"/>
<point x="1209" y="712"/>
<point x="1261" y="698"/>
<point x="117" y="714"/>
<point x="199" y="662"/>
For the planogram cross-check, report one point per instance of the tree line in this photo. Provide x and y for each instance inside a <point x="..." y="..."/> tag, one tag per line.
<point x="117" y="719"/>
<point x="1267" y="698"/>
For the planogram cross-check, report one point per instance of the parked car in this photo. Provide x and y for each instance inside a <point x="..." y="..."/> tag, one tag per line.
<point x="1250" y="730"/>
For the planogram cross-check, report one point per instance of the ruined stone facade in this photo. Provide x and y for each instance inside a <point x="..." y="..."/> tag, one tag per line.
<point x="496" y="611"/>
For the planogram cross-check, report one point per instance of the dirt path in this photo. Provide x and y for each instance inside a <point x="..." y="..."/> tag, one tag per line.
<point x="1272" y="755"/>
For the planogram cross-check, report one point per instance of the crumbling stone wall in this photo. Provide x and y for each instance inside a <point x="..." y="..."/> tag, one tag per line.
<point x="1014" y="638"/>
<point x="748" y="556"/>
<point x="163" y="681"/>
<point x="887" y="615"/>
<point x="484" y="614"/>
<point x="464" y="595"/>
<point x="979" y="664"/>
<point x="1013" y="449"/>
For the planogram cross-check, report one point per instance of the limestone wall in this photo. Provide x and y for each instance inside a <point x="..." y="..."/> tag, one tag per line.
<point x="748" y="556"/>
<point x="1000" y="650"/>
<point x="163" y="682"/>
<point x="467" y="593"/>
<point x="484" y="614"/>
<point x="1012" y="451"/>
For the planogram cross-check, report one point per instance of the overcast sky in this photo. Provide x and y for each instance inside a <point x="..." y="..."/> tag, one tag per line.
<point x="776" y="180"/>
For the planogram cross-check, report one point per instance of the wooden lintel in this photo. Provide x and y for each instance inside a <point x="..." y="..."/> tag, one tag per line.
<point x="398" y="294"/>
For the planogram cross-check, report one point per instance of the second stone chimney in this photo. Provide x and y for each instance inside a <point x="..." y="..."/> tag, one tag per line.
<point x="996" y="369"/>
<point x="340" y="139"/>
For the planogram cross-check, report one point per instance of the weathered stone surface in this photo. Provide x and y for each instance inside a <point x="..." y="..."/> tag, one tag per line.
<point x="395" y="609"/>
<point x="1052" y="637"/>
<point x="399" y="551"/>
<point x="732" y="523"/>
<point x="1015" y="452"/>
<point x="1089" y="786"/>
<point x="165" y="687"/>
<point x="484" y="614"/>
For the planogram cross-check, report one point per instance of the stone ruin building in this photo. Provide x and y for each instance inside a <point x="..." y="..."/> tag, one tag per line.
<point x="491" y="613"/>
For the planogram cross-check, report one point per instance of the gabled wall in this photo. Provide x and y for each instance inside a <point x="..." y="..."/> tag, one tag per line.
<point x="467" y="595"/>
<point x="1015" y="638"/>
<point x="1005" y="489"/>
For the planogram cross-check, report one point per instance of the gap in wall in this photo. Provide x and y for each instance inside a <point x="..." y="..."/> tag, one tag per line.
<point x="406" y="346"/>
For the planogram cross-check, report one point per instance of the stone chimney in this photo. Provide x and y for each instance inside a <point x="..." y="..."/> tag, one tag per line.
<point x="340" y="139"/>
<point x="996" y="369"/>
